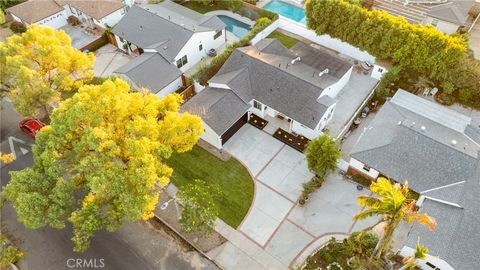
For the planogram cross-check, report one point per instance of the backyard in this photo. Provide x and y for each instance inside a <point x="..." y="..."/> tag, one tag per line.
<point x="287" y="41"/>
<point x="232" y="177"/>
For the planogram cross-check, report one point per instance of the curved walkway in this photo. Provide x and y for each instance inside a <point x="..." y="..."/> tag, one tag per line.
<point x="275" y="224"/>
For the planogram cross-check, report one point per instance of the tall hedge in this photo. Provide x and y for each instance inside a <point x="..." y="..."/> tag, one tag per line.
<point x="438" y="56"/>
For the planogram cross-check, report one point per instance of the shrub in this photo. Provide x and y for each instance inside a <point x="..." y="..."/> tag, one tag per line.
<point x="263" y="13"/>
<point x="362" y="180"/>
<point x="445" y="99"/>
<point x="17" y="27"/>
<point x="252" y="2"/>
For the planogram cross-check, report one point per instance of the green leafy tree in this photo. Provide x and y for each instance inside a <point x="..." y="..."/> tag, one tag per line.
<point x="38" y="66"/>
<point x="322" y="154"/>
<point x="101" y="160"/>
<point x="199" y="209"/>
<point x="390" y="203"/>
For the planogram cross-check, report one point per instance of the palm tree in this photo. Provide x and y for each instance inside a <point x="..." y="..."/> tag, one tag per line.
<point x="393" y="206"/>
<point x="410" y="262"/>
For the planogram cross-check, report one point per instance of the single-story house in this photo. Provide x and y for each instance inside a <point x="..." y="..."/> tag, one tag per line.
<point x="448" y="17"/>
<point x="167" y="45"/>
<point x="54" y="13"/>
<point x="437" y="150"/>
<point x="297" y="85"/>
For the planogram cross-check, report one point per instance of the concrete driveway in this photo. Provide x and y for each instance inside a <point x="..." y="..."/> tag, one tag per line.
<point x="275" y="222"/>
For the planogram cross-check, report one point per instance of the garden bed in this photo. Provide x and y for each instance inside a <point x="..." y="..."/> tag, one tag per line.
<point x="297" y="142"/>
<point x="233" y="178"/>
<point x="257" y="121"/>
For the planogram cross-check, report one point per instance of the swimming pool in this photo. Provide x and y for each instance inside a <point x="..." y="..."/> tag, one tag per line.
<point x="237" y="27"/>
<point x="287" y="10"/>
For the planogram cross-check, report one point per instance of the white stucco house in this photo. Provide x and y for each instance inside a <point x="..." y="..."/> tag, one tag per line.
<point x="170" y="39"/>
<point x="54" y="13"/>
<point x="296" y="85"/>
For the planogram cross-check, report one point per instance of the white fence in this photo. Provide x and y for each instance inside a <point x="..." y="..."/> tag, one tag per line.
<point x="324" y="40"/>
<point x="265" y="32"/>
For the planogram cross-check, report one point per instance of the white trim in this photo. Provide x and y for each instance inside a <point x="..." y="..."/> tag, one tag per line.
<point x="444" y="202"/>
<point x="445" y="186"/>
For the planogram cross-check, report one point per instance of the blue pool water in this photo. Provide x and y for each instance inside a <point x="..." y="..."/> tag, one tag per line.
<point x="238" y="28"/>
<point x="286" y="10"/>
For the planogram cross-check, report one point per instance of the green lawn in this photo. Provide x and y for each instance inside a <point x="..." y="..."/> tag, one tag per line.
<point x="201" y="8"/>
<point x="232" y="177"/>
<point x="287" y="41"/>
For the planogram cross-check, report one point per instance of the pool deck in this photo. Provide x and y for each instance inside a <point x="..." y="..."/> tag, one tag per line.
<point x="231" y="15"/>
<point x="263" y="3"/>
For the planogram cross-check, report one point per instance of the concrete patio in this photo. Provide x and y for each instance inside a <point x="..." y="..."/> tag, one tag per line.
<point x="80" y="36"/>
<point x="275" y="223"/>
<point x="349" y="101"/>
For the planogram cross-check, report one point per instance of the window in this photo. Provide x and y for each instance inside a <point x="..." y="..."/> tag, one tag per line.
<point x="182" y="61"/>
<point x="380" y="70"/>
<point x="433" y="266"/>
<point x="121" y="39"/>
<point x="257" y="105"/>
<point x="366" y="168"/>
<point x="434" y="22"/>
<point x="200" y="47"/>
<point x="217" y="34"/>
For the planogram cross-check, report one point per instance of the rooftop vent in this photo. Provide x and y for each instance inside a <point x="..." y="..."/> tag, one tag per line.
<point x="165" y="47"/>
<point x="295" y="60"/>
<point x="399" y="123"/>
<point x="413" y="124"/>
<point x="454" y="142"/>
<point x="325" y="71"/>
<point x="423" y="128"/>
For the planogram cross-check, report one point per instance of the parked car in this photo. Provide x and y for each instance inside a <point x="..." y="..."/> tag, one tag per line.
<point x="31" y="126"/>
<point x="365" y="112"/>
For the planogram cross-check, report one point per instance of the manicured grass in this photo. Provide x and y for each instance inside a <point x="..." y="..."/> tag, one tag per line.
<point x="287" y="41"/>
<point x="232" y="177"/>
<point x="201" y="8"/>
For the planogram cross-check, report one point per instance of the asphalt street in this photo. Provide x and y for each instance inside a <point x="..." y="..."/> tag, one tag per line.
<point x="134" y="246"/>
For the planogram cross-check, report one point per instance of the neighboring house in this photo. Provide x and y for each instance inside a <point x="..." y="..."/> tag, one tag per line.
<point x="437" y="150"/>
<point x="54" y="13"/>
<point x="182" y="40"/>
<point x="297" y="85"/>
<point x="446" y="15"/>
<point x="167" y="48"/>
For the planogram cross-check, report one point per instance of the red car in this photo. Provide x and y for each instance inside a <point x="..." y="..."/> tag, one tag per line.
<point x="31" y="126"/>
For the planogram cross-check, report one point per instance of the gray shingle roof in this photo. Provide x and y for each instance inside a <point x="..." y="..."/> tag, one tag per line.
<point x="219" y="108"/>
<point x="454" y="11"/>
<point x="255" y="73"/>
<point x="456" y="239"/>
<point x="148" y="30"/>
<point x="150" y="70"/>
<point x="321" y="59"/>
<point x="396" y="145"/>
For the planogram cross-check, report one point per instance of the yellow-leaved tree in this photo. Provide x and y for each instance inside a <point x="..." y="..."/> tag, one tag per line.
<point x="100" y="162"/>
<point x="38" y="66"/>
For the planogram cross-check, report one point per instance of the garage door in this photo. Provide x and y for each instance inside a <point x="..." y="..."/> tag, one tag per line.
<point x="233" y="129"/>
